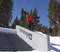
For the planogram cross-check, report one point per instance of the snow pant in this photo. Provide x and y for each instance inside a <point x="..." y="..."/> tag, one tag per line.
<point x="31" y="26"/>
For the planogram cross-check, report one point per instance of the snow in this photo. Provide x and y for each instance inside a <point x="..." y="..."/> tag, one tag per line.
<point x="40" y="33"/>
<point x="7" y="30"/>
<point x="54" y="41"/>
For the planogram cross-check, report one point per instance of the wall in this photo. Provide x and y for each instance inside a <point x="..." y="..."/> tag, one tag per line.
<point x="35" y="40"/>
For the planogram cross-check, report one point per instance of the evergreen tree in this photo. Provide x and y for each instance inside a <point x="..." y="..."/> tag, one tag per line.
<point x="25" y="22"/>
<point x="45" y="29"/>
<point x="1" y="2"/>
<point x="39" y="27"/>
<point x="23" y="19"/>
<point x="58" y="20"/>
<point x="16" y="22"/>
<point x="31" y="13"/>
<point x="5" y="12"/>
<point x="22" y="13"/>
<point x="51" y="31"/>
<point x="35" y="18"/>
<point x="53" y="14"/>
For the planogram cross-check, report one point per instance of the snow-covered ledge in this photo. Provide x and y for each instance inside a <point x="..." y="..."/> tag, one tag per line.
<point x="36" y="40"/>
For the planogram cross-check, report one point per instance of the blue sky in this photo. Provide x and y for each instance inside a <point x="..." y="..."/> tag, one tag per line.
<point x="27" y="5"/>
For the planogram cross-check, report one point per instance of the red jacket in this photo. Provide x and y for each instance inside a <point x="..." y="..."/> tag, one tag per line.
<point x="29" y="20"/>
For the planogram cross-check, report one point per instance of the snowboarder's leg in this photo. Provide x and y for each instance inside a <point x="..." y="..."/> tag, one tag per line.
<point x="29" y="26"/>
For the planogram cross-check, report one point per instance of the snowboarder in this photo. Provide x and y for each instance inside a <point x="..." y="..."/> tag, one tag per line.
<point x="30" y="22"/>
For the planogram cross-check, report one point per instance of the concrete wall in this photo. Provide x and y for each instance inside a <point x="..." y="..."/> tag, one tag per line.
<point x="35" y="40"/>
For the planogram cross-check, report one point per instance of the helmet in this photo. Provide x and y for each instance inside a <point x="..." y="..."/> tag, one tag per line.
<point x="27" y="16"/>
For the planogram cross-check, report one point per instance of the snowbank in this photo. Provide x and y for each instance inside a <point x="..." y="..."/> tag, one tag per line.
<point x="55" y="43"/>
<point x="7" y="30"/>
<point x="40" y="33"/>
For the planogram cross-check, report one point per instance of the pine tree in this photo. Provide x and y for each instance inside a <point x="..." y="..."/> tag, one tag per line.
<point x="53" y="13"/>
<point x="35" y="18"/>
<point x="16" y="22"/>
<point x="31" y="13"/>
<point x="51" y="31"/>
<point x="22" y="13"/>
<point x="58" y="18"/>
<point x="6" y="7"/>
<point x="25" y="22"/>
<point x="1" y="2"/>
<point x="23" y="19"/>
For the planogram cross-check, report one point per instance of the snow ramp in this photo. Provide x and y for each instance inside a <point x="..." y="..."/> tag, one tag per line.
<point x="38" y="41"/>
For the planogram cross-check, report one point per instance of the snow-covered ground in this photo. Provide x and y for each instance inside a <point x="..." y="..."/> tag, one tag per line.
<point x="7" y="30"/>
<point x="54" y="41"/>
<point x="55" y="44"/>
